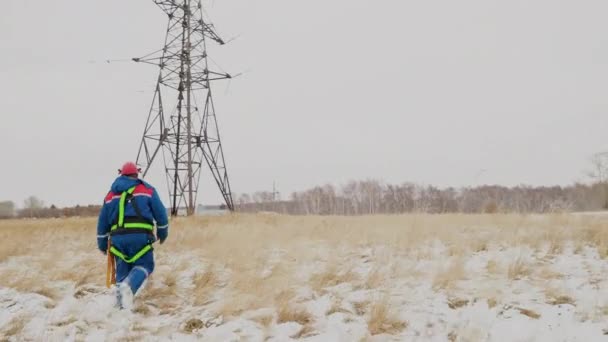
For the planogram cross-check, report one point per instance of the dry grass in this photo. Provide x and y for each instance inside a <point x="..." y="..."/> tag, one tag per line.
<point x="162" y="292"/>
<point x="29" y="282"/>
<point x="361" y="307"/>
<point x="287" y="313"/>
<point x="265" y="320"/>
<point x="374" y="280"/>
<point x="450" y="275"/>
<point x="248" y="290"/>
<point x="557" y="297"/>
<point x="205" y="280"/>
<point x="46" y="291"/>
<point x="456" y="303"/>
<point x="85" y="291"/>
<point x="405" y="229"/>
<point x="138" y="327"/>
<point x="166" y="288"/>
<point x="383" y="321"/>
<point x="204" y="285"/>
<point x="170" y="280"/>
<point x="458" y="250"/>
<point x="559" y="300"/>
<point x="15" y="326"/>
<point x="236" y="251"/>
<point x="135" y="337"/>
<point x="141" y="309"/>
<point x="306" y="331"/>
<point x="492" y="267"/>
<point x="66" y="321"/>
<point x="336" y="307"/>
<point x="193" y="324"/>
<point x="547" y="273"/>
<point x="518" y="270"/>
<point x="579" y="247"/>
<point x="556" y="245"/>
<point x="479" y="245"/>
<point x="215" y="233"/>
<point x="332" y="276"/>
<point x="492" y="302"/>
<point x="529" y="313"/>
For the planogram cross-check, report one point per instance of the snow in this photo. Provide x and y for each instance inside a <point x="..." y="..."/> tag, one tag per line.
<point x="480" y="304"/>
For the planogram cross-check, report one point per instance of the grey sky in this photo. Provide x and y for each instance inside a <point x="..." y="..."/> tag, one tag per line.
<point x="423" y="91"/>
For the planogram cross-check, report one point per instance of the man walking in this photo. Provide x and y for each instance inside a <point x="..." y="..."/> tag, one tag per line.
<point x="127" y="218"/>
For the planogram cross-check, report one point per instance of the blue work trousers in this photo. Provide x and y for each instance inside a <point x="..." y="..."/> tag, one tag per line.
<point x="134" y="274"/>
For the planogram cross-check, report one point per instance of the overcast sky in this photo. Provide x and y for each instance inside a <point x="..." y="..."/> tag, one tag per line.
<point x="425" y="91"/>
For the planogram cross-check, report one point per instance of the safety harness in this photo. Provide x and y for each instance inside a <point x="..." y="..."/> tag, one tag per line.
<point x="130" y="225"/>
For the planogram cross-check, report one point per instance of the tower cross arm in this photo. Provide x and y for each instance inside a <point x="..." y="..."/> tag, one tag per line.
<point x="209" y="31"/>
<point x="168" y="6"/>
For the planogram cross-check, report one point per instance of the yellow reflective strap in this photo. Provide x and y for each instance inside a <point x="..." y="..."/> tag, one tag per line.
<point x="121" y="209"/>
<point x="140" y="225"/>
<point x="121" y="206"/>
<point x="139" y="254"/>
<point x="117" y="253"/>
<point x="134" y="258"/>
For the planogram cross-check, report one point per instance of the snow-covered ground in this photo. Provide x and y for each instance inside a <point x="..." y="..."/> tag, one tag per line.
<point x="276" y="278"/>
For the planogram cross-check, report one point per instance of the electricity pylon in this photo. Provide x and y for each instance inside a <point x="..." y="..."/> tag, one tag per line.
<point x="182" y="123"/>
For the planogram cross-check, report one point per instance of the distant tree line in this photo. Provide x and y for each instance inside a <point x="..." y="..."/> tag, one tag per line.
<point x="33" y="207"/>
<point x="371" y="197"/>
<point x="375" y="197"/>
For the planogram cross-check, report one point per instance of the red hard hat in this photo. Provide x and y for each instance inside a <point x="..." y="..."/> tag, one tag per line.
<point x="129" y="168"/>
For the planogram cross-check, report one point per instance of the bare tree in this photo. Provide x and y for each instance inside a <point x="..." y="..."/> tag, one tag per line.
<point x="599" y="167"/>
<point x="32" y="204"/>
<point x="599" y="173"/>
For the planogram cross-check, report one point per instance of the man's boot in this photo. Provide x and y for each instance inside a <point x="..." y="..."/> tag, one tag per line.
<point x="124" y="296"/>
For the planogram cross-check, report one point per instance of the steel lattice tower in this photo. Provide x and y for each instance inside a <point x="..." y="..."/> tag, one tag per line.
<point x="182" y="123"/>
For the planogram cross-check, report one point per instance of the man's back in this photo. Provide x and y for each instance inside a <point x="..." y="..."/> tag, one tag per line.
<point x="127" y="219"/>
<point x="144" y="202"/>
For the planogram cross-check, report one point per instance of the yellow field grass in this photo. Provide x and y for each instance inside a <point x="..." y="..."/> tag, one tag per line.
<point x="241" y="262"/>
